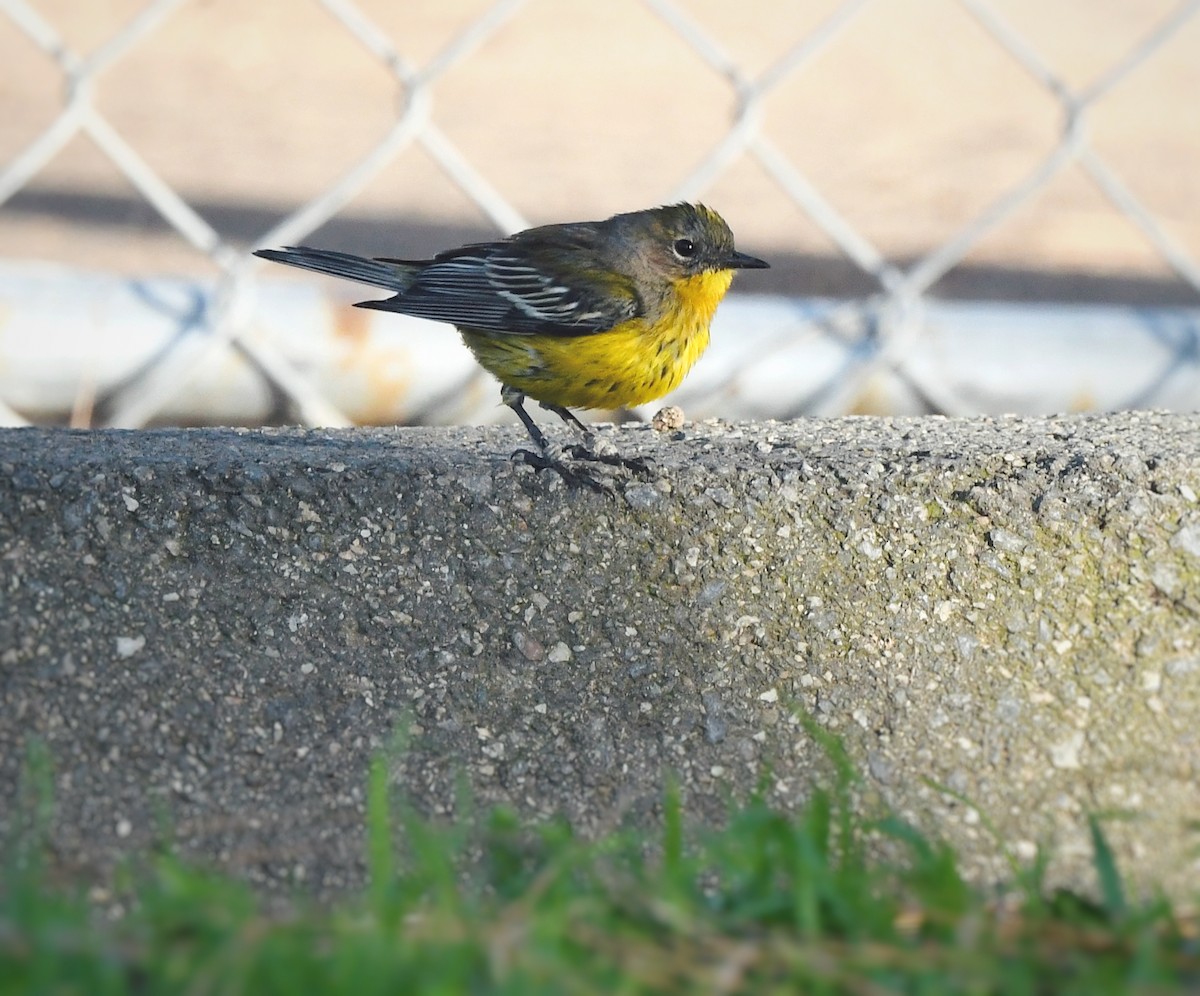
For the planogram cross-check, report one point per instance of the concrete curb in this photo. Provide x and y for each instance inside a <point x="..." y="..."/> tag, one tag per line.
<point x="220" y="627"/>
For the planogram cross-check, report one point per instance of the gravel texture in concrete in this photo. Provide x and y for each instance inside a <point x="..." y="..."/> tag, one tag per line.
<point x="215" y="630"/>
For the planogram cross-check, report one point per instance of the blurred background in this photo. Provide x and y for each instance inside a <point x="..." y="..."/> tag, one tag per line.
<point x="968" y="205"/>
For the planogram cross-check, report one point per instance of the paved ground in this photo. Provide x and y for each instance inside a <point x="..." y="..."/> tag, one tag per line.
<point x="217" y="629"/>
<point x="909" y="124"/>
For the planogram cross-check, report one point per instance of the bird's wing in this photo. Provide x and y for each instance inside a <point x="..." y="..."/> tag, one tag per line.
<point x="511" y="287"/>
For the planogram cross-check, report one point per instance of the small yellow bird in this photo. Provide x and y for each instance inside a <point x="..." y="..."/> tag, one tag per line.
<point x="594" y="314"/>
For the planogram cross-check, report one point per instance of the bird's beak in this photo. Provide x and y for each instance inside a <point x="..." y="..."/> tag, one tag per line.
<point x="740" y="261"/>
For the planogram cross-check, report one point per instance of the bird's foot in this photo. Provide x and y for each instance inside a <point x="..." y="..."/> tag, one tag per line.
<point x="571" y="463"/>
<point x="607" y="454"/>
<point x="598" y="448"/>
<point x="575" y="477"/>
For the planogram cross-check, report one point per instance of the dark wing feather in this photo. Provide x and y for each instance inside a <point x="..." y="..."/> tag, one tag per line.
<point x="503" y="287"/>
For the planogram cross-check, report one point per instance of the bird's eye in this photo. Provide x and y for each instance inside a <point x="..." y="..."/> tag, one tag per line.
<point x="685" y="248"/>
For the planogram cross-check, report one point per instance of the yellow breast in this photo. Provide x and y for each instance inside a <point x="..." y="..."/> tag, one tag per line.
<point x="633" y="363"/>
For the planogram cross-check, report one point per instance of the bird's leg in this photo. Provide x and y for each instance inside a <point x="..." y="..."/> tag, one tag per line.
<point x="593" y="443"/>
<point x="546" y="458"/>
<point x="516" y="401"/>
<point x="594" y="447"/>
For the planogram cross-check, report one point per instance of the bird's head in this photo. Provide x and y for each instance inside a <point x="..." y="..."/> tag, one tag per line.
<point x="682" y="240"/>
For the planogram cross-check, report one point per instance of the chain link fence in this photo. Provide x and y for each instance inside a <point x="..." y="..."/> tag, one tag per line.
<point x="235" y="344"/>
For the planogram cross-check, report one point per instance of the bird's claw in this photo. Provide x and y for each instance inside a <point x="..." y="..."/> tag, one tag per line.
<point x="575" y="472"/>
<point x="611" y="458"/>
<point x="577" y="478"/>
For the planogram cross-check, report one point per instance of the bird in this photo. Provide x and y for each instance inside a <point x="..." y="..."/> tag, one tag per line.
<point x="595" y="314"/>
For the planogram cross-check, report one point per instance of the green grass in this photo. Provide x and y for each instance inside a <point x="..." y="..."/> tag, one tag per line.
<point x="771" y="902"/>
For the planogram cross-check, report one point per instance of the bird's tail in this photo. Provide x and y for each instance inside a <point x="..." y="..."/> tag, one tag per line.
<point x="391" y="276"/>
